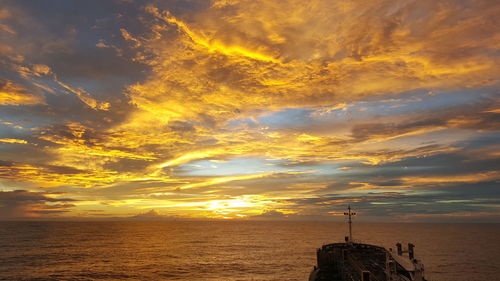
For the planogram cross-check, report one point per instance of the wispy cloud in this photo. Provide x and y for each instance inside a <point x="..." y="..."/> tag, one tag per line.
<point x="15" y="94"/>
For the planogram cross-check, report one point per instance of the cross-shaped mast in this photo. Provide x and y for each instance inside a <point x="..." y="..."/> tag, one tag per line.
<point x="350" y="214"/>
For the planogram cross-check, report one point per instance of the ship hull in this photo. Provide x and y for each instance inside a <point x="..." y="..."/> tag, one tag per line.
<point x="355" y="262"/>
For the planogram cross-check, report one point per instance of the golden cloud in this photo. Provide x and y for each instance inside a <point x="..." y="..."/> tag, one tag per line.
<point x="13" y="141"/>
<point x="15" y="94"/>
<point x="450" y="179"/>
<point x="288" y="54"/>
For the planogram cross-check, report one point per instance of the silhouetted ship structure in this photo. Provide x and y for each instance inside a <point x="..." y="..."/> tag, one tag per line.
<point x="352" y="261"/>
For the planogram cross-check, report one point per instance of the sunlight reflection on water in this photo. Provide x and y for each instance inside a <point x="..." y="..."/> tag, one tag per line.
<point x="188" y="250"/>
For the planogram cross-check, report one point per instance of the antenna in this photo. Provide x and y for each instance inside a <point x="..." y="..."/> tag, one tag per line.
<point x="350" y="214"/>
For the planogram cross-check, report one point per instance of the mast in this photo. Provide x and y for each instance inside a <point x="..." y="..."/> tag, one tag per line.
<point x="350" y="214"/>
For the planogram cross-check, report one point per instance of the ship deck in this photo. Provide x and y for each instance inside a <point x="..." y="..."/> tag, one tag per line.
<point x="366" y="258"/>
<point x="342" y="261"/>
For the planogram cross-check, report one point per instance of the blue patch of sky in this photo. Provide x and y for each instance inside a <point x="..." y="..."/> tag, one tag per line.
<point x="326" y="169"/>
<point x="28" y="117"/>
<point x="248" y="166"/>
<point x="416" y="101"/>
<point x="484" y="139"/>
<point x="237" y="166"/>
<point x="290" y="117"/>
<point x="401" y="104"/>
<point x="84" y="15"/>
<point x="112" y="87"/>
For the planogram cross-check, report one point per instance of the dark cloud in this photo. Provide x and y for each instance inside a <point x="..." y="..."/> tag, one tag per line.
<point x="461" y="198"/>
<point x="63" y="169"/>
<point x="476" y="117"/>
<point x="23" y="203"/>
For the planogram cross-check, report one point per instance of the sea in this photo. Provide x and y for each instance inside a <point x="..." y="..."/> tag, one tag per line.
<point x="229" y="250"/>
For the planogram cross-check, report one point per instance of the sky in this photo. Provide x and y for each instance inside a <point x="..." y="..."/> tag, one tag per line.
<point x="235" y="109"/>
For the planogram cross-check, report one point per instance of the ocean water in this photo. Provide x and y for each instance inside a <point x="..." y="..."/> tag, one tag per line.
<point x="228" y="250"/>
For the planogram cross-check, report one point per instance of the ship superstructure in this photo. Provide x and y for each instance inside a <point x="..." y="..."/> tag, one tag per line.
<point x="351" y="261"/>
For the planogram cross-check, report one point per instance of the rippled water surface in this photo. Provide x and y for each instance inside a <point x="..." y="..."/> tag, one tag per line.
<point x="177" y="250"/>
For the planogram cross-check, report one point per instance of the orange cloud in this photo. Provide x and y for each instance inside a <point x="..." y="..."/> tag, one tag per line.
<point x="462" y="178"/>
<point x="305" y="56"/>
<point x="15" y="94"/>
<point x="13" y="141"/>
